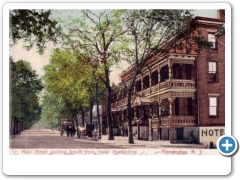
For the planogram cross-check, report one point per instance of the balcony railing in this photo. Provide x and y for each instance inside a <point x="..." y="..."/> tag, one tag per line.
<point x="178" y="120"/>
<point x="146" y="92"/>
<point x="177" y="83"/>
<point x="168" y="84"/>
<point x="164" y="120"/>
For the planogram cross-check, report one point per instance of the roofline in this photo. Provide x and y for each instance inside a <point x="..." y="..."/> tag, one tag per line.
<point x="202" y="19"/>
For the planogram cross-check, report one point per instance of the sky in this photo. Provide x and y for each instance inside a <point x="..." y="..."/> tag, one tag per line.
<point x="38" y="61"/>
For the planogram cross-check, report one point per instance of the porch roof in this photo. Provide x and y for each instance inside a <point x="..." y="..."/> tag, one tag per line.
<point x="141" y="101"/>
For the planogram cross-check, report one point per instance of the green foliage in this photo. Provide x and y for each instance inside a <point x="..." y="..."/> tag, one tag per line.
<point x="25" y="87"/>
<point x="221" y="31"/>
<point x="68" y="78"/>
<point x="52" y="111"/>
<point x="33" y="26"/>
<point x="152" y="31"/>
<point x="96" y="34"/>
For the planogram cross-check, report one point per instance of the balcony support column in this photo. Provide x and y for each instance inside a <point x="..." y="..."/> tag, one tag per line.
<point x="159" y="76"/>
<point x="171" y="100"/>
<point x="150" y="134"/>
<point x="170" y="68"/>
<point x="150" y="82"/>
<point x="159" y="107"/>
<point x="135" y="113"/>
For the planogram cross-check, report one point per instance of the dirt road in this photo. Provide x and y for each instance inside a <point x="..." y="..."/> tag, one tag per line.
<point x="48" y="139"/>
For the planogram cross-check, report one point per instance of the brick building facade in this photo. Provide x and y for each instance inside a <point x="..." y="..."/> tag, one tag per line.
<point x="179" y="96"/>
<point x="211" y="82"/>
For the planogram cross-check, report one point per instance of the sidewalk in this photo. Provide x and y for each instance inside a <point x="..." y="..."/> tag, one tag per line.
<point x="123" y="141"/>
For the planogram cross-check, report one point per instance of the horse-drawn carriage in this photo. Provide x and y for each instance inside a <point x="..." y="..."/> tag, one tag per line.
<point x="67" y="127"/>
<point x="85" y="131"/>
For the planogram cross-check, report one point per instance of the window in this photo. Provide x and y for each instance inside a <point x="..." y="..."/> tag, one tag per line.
<point x="138" y="86"/>
<point x="212" y="39"/>
<point x="212" y="71"/>
<point x="212" y="106"/>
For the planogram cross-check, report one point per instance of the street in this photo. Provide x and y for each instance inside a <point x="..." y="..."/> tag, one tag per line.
<point x="48" y="139"/>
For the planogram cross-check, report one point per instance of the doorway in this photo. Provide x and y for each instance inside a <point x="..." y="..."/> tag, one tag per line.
<point x="179" y="132"/>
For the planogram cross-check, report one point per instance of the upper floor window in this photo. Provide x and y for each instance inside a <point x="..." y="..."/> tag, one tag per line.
<point x="213" y="106"/>
<point x="212" y="71"/>
<point x="212" y="39"/>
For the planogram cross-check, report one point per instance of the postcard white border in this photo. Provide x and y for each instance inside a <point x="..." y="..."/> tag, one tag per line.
<point x="127" y="165"/>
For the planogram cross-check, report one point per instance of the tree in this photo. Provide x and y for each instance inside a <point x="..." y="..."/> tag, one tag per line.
<point x="99" y="93"/>
<point x="221" y="31"/>
<point x="67" y="79"/>
<point x="151" y="32"/>
<point x="52" y="111"/>
<point x="25" y="88"/>
<point x="97" y="35"/>
<point x="33" y="26"/>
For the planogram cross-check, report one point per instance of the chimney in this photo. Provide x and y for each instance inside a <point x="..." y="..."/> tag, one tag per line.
<point x="221" y="14"/>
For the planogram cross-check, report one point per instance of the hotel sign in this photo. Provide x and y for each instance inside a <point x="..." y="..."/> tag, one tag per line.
<point x="210" y="134"/>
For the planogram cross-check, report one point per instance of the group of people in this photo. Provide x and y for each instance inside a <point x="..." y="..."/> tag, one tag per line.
<point x="70" y="130"/>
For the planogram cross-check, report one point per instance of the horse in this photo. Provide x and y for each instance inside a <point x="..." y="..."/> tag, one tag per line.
<point x="81" y="131"/>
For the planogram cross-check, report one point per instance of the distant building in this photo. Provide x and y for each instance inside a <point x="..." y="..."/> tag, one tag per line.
<point x="94" y="116"/>
<point x="80" y="120"/>
<point x="179" y="96"/>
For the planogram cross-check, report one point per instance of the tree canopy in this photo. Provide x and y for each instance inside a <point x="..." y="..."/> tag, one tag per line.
<point x="68" y="77"/>
<point x="35" y="27"/>
<point x="25" y="89"/>
<point x="52" y="111"/>
<point x="97" y="35"/>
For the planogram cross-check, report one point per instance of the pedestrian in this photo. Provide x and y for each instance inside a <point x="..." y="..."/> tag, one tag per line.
<point x="73" y="131"/>
<point x="67" y="129"/>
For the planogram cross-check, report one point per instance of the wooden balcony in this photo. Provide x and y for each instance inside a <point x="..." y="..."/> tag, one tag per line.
<point x="122" y="101"/>
<point x="178" y="121"/>
<point x="172" y="84"/>
<point x="166" y="85"/>
<point x="164" y="121"/>
<point x="146" y="92"/>
<point x="177" y="84"/>
<point x="155" y="123"/>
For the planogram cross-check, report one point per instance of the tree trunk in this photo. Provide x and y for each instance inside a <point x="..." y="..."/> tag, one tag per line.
<point x="129" y="116"/>
<point x="83" y="122"/>
<point x="90" y="112"/>
<point x="109" y="115"/>
<point x="109" y="100"/>
<point x="75" y="118"/>
<point x="98" y="119"/>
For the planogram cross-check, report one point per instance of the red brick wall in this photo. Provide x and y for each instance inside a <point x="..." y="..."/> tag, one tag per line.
<point x="204" y="87"/>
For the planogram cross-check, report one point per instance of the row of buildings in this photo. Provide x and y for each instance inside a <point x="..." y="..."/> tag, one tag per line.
<point x="179" y="96"/>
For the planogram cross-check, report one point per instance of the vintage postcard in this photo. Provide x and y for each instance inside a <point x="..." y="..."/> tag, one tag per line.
<point x="108" y="82"/>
